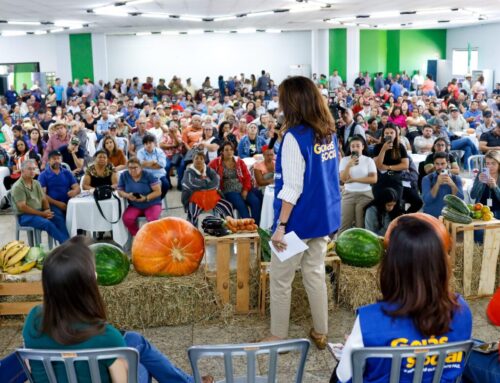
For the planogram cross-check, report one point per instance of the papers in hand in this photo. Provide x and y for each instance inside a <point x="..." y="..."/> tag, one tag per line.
<point x="336" y="350"/>
<point x="294" y="246"/>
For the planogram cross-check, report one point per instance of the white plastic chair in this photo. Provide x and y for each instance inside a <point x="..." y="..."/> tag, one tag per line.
<point x="475" y="162"/>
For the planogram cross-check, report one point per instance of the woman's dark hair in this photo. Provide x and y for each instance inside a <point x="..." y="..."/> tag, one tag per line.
<point x="302" y="103"/>
<point x="386" y="196"/>
<point x="360" y="138"/>
<point x="221" y="130"/>
<point x="396" y="108"/>
<point x="415" y="275"/>
<point x="73" y="310"/>
<point x="429" y="76"/>
<point x="39" y="143"/>
<point x="224" y="144"/>
<point x="115" y="147"/>
<point x="17" y="151"/>
<point x="101" y="151"/>
<point x="439" y="139"/>
<point x="395" y="152"/>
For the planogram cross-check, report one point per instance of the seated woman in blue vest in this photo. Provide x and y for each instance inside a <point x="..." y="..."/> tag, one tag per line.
<point x="73" y="317"/>
<point x="417" y="306"/>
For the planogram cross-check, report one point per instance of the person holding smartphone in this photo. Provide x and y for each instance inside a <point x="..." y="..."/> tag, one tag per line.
<point x="358" y="172"/>
<point x="142" y="189"/>
<point x="486" y="187"/>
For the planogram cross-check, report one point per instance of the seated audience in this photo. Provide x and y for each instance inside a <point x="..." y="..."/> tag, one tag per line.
<point x="486" y="187"/>
<point x="36" y="143"/>
<point x="142" y="189"/>
<point x="358" y="172"/>
<point x="172" y="146"/>
<point x="438" y="184"/>
<point x="236" y="183"/>
<point x="490" y="140"/>
<point x="115" y="155"/>
<point x="73" y="317"/>
<point x="154" y="160"/>
<point x="423" y="144"/>
<point x="210" y="144"/>
<point x="380" y="212"/>
<point x="21" y="154"/>
<point x="60" y="138"/>
<point x="58" y="184"/>
<point x="200" y="187"/>
<point x="417" y="305"/>
<point x="100" y="173"/>
<point x="137" y="137"/>
<point x="441" y="145"/>
<point x="32" y="207"/>
<point x="264" y="170"/>
<point x="225" y="133"/>
<point x="252" y="143"/>
<point x="74" y="156"/>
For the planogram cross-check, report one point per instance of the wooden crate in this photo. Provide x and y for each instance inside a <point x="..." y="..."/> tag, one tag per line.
<point x="19" y="289"/>
<point x="330" y="259"/>
<point x="491" y="245"/>
<point x="243" y="243"/>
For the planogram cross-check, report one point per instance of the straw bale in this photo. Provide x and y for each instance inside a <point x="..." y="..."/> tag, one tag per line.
<point x="358" y="286"/>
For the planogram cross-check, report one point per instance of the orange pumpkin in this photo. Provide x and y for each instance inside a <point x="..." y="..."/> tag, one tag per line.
<point x="168" y="247"/>
<point x="433" y="221"/>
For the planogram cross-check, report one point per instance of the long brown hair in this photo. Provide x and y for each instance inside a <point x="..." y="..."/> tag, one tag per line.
<point x="302" y="103"/>
<point x="73" y="310"/>
<point x="395" y="152"/>
<point x="415" y="275"/>
<point x="115" y="147"/>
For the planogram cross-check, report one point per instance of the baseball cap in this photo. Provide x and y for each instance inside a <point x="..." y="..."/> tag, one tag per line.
<point x="452" y="108"/>
<point x="54" y="153"/>
<point x="75" y="141"/>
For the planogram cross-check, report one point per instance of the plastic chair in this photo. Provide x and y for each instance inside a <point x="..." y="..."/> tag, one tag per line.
<point x="475" y="162"/>
<point x="397" y="354"/>
<point x="69" y="357"/>
<point x="250" y="351"/>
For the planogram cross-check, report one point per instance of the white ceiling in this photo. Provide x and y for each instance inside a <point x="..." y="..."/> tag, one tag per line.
<point x="76" y="12"/>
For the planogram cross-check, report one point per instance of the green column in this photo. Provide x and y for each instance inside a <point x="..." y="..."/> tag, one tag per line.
<point x="373" y="51"/>
<point x="393" y="51"/>
<point x="80" y="46"/>
<point x="338" y="51"/>
<point x="22" y="74"/>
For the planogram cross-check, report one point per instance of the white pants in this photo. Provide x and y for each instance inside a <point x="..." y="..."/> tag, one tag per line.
<point x="312" y="264"/>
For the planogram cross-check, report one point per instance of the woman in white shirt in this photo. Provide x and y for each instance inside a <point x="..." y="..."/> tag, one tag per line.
<point x="358" y="172"/>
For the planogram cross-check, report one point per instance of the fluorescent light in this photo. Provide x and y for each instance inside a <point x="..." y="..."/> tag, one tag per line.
<point x="195" y="32"/>
<point x="273" y="30"/>
<point x="111" y="11"/>
<point x="56" y="30"/>
<point x="332" y="21"/>
<point x="349" y="24"/>
<point x="305" y="9"/>
<point x="143" y="34"/>
<point x="225" y="18"/>
<point x="385" y="14"/>
<point x="364" y="25"/>
<point x="190" y="18"/>
<point x="23" y="22"/>
<point x="40" y="32"/>
<point x="257" y="14"/>
<point x="13" y="33"/>
<point x="170" y="33"/>
<point x="222" y="31"/>
<point x="155" y="15"/>
<point x="434" y="11"/>
<point x="344" y="18"/>
<point x="137" y="2"/>
<point x="71" y="27"/>
<point x="246" y="30"/>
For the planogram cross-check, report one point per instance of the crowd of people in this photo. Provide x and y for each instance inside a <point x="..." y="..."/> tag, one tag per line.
<point x="308" y="138"/>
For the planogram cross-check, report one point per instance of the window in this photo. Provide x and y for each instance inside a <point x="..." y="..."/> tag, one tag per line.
<point x="460" y="61"/>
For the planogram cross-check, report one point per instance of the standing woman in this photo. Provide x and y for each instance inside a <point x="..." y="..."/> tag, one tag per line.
<point x="358" y="172"/>
<point x="50" y="99"/>
<point x="307" y="202"/>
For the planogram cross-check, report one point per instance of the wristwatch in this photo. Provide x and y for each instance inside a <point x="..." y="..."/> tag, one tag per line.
<point x="282" y="224"/>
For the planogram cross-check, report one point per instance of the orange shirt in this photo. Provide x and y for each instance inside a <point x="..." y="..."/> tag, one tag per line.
<point x="191" y="136"/>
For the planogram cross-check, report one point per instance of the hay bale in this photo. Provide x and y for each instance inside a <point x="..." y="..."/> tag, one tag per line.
<point x="140" y="302"/>
<point x="458" y="272"/>
<point x="358" y="286"/>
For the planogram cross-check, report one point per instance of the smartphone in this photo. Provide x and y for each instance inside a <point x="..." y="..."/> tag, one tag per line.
<point x="445" y="171"/>
<point x="137" y="195"/>
<point x="486" y="172"/>
<point x="486" y="348"/>
<point x="354" y="154"/>
<point x="388" y="139"/>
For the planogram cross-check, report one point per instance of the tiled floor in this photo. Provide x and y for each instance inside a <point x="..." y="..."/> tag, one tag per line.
<point x="174" y="341"/>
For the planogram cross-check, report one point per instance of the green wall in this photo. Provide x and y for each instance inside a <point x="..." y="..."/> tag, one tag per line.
<point x="22" y="74"/>
<point x="338" y="51"/>
<point x="393" y="47"/>
<point x="418" y="46"/>
<point x="373" y="51"/>
<point x="80" y="46"/>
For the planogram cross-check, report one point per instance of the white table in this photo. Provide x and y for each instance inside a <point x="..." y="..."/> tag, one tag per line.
<point x="82" y="213"/>
<point x="418" y="158"/>
<point x="4" y="172"/>
<point x="471" y="136"/>
<point x="267" y="212"/>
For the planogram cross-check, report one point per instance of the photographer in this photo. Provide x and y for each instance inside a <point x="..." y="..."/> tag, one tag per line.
<point x="438" y="184"/>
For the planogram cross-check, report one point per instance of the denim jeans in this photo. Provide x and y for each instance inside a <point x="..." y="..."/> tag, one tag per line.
<point x="253" y="200"/>
<point x="56" y="226"/>
<point x="153" y="364"/>
<point x="484" y="368"/>
<point x="467" y="146"/>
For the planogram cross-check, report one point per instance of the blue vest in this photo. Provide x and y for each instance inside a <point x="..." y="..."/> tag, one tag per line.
<point x="380" y="330"/>
<point x="317" y="211"/>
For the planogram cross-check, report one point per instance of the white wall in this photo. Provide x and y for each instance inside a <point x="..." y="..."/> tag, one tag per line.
<point x="51" y="51"/>
<point x="100" y="56"/>
<point x="352" y="59"/>
<point x="484" y="37"/>
<point x="197" y="56"/>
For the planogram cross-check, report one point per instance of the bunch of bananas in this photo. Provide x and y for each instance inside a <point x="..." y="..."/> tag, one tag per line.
<point x="12" y="255"/>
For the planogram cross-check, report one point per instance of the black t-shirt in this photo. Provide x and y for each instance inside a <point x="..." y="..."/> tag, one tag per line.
<point x="491" y="139"/>
<point x="253" y="147"/>
<point x="388" y="160"/>
<point x="90" y="125"/>
<point x="430" y="161"/>
<point x="67" y="157"/>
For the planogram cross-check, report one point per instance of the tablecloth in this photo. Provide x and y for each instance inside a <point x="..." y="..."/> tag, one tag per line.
<point x="267" y="212"/>
<point x="82" y="213"/>
<point x="4" y="172"/>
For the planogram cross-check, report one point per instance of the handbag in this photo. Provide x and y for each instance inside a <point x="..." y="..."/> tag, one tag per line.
<point x="103" y="193"/>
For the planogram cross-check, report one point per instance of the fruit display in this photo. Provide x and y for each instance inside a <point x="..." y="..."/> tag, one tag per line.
<point x="359" y="247"/>
<point x="241" y="225"/>
<point x="111" y="263"/>
<point x="214" y="226"/>
<point x="13" y="258"/>
<point x="458" y="211"/>
<point x="168" y="247"/>
<point x="433" y="221"/>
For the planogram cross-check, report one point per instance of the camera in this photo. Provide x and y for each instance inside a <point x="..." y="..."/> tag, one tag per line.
<point x="387" y="139"/>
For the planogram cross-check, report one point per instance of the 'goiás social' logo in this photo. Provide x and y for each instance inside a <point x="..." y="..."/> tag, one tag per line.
<point x="327" y="151"/>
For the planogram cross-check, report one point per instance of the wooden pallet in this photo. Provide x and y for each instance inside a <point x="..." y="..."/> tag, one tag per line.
<point x="243" y="243"/>
<point x="491" y="245"/>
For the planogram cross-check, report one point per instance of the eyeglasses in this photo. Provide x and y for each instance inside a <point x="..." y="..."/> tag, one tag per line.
<point x="133" y="168"/>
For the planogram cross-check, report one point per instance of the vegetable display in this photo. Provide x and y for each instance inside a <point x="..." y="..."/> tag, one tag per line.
<point x="111" y="263"/>
<point x="218" y="227"/>
<point x="16" y="257"/>
<point x="359" y="247"/>
<point x="458" y="211"/>
<point x="168" y="247"/>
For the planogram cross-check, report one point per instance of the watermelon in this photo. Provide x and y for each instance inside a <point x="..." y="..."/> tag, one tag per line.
<point x="111" y="263"/>
<point x="359" y="247"/>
